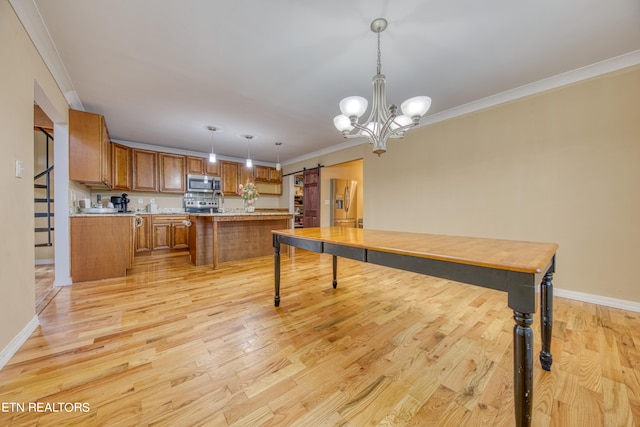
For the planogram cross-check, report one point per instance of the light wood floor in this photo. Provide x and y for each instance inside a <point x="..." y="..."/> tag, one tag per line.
<point x="45" y="292"/>
<point x="176" y="345"/>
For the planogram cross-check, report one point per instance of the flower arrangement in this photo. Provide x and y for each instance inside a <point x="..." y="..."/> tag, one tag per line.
<point x="249" y="192"/>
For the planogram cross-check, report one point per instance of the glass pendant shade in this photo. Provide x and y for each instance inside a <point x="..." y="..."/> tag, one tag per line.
<point x="416" y="107"/>
<point x="212" y="154"/>
<point x="249" y="163"/>
<point x="353" y="106"/>
<point x="342" y="123"/>
<point x="402" y="120"/>
<point x="278" y="166"/>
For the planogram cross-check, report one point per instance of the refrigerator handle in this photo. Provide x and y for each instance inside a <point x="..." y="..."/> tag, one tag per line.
<point x="347" y="199"/>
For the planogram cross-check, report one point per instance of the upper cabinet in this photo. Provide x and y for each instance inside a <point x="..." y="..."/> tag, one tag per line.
<point x="121" y="166"/>
<point x="245" y="174"/>
<point x="172" y="173"/>
<point x="201" y="166"/>
<point x="144" y="168"/>
<point x="229" y="177"/>
<point x="89" y="149"/>
<point x="268" y="180"/>
<point x="211" y="169"/>
<point x="267" y="174"/>
<point x="195" y="165"/>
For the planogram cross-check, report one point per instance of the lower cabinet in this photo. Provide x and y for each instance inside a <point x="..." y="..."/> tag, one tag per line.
<point x="170" y="232"/>
<point x="101" y="246"/>
<point x="142" y="241"/>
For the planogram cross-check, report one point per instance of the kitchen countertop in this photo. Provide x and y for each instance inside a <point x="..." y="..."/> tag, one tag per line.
<point x="259" y="213"/>
<point x="268" y="213"/>
<point x="76" y="215"/>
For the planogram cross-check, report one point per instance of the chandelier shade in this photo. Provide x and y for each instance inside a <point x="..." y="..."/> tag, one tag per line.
<point x="383" y="121"/>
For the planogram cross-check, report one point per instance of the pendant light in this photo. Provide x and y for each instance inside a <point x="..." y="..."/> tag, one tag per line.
<point x="384" y="122"/>
<point x="249" y="162"/>
<point x="212" y="154"/>
<point x="278" y="165"/>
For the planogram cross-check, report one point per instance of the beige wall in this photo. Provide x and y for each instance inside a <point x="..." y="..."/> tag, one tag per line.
<point x="20" y="69"/>
<point x="561" y="166"/>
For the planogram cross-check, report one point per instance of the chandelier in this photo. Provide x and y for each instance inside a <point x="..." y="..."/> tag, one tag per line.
<point x="383" y="123"/>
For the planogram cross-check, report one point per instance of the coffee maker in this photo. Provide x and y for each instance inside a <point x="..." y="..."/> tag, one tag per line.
<point x="120" y="202"/>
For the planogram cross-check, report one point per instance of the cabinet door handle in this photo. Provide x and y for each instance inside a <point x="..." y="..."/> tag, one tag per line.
<point x="138" y="222"/>
<point x="187" y="223"/>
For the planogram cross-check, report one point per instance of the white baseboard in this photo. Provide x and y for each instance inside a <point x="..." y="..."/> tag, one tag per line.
<point x="597" y="299"/>
<point x="15" y="344"/>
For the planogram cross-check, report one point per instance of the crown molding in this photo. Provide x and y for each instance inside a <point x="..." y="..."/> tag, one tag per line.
<point x="31" y="19"/>
<point x="594" y="70"/>
<point x="32" y="22"/>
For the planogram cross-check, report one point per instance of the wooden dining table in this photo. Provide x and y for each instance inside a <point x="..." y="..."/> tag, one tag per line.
<point x="515" y="267"/>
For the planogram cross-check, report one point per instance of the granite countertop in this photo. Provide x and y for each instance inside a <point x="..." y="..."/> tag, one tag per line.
<point x="226" y="213"/>
<point x="76" y="215"/>
<point x="239" y="213"/>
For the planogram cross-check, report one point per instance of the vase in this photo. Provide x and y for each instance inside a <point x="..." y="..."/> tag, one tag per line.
<point x="248" y="207"/>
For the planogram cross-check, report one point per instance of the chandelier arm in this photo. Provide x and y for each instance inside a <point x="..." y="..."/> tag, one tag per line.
<point x="399" y="130"/>
<point x="364" y="129"/>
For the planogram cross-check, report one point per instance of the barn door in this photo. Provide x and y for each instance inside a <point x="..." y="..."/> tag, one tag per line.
<point x="311" y="200"/>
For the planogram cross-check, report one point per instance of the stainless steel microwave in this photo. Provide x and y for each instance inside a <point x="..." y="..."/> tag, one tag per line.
<point x="202" y="183"/>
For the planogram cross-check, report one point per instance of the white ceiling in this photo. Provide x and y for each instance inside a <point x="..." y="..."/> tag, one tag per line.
<point x="161" y="71"/>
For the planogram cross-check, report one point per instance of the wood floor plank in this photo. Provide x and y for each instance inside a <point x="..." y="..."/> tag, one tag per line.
<point x="172" y="344"/>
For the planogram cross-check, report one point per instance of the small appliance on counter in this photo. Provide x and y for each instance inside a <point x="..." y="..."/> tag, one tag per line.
<point x="121" y="203"/>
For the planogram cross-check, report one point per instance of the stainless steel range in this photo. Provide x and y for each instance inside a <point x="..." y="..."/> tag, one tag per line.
<point x="203" y="202"/>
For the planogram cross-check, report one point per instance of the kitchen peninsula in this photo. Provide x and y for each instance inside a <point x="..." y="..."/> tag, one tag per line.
<point x="220" y="237"/>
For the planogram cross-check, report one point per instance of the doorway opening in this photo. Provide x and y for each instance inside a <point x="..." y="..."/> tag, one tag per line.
<point x="43" y="198"/>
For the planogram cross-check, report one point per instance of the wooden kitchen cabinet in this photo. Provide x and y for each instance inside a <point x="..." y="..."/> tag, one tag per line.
<point x="211" y="169"/>
<point x="89" y="149"/>
<point x="144" y="170"/>
<point x="195" y="165"/>
<point x="262" y="173"/>
<point x="101" y="247"/>
<point x="268" y="180"/>
<point x="121" y="166"/>
<point x="170" y="232"/>
<point x="245" y="174"/>
<point x="229" y="177"/>
<point x="202" y="166"/>
<point x="172" y="173"/>
<point x="142" y="239"/>
<point x="267" y="174"/>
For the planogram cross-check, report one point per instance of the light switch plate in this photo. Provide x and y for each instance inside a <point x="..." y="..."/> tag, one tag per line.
<point x="19" y="168"/>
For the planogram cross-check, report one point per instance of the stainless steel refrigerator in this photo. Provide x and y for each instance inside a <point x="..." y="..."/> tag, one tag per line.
<point x="344" y="202"/>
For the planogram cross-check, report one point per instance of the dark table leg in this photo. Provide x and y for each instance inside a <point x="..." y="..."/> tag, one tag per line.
<point x="523" y="368"/>
<point x="335" y="272"/>
<point x="276" y="269"/>
<point x="546" y="320"/>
